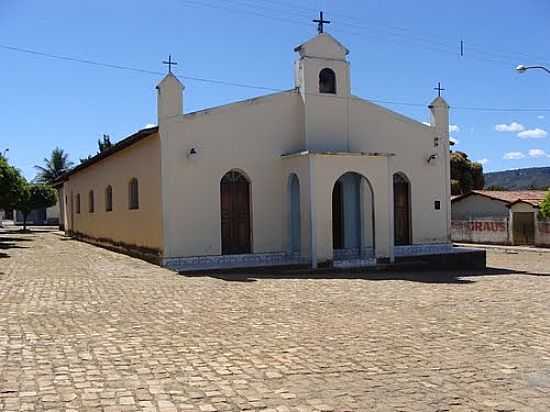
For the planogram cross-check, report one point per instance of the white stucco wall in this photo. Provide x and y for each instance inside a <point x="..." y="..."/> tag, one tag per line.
<point x="53" y="211"/>
<point x="376" y="129"/>
<point x="249" y="137"/>
<point x="477" y="206"/>
<point x="542" y="233"/>
<point x="252" y="136"/>
<point x="493" y="230"/>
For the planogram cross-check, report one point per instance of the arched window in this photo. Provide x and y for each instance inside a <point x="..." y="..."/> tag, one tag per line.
<point x="327" y="81"/>
<point x="78" y="203"/>
<point x="91" y="207"/>
<point x="109" y="199"/>
<point x="133" y="194"/>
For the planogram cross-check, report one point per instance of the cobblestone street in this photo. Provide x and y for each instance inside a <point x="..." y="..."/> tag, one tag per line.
<point x="83" y="328"/>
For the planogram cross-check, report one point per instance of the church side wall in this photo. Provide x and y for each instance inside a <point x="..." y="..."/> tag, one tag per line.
<point x="375" y="129"/>
<point x="249" y="137"/>
<point x="139" y="229"/>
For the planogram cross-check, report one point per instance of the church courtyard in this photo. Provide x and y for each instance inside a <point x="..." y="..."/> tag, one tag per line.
<point x="86" y="329"/>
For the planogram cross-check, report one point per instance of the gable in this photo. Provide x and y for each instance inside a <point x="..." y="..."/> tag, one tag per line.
<point x="324" y="46"/>
<point x="474" y="205"/>
<point x="390" y="115"/>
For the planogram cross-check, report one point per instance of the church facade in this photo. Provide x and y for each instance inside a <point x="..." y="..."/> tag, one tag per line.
<point x="313" y="175"/>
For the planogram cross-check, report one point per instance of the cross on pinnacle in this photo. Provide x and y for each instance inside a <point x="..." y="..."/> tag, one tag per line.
<point x="439" y="89"/>
<point x="170" y="63"/>
<point x="321" y="23"/>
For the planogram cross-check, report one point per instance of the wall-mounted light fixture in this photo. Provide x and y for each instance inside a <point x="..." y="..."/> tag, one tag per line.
<point x="433" y="157"/>
<point x="193" y="153"/>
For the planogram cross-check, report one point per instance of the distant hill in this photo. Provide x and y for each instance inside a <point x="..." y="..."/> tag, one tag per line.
<point x="520" y="179"/>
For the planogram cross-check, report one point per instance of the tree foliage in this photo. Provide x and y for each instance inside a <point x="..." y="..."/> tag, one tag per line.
<point x="103" y="144"/>
<point x="34" y="196"/>
<point x="54" y="167"/>
<point x="11" y="184"/>
<point x="466" y="175"/>
<point x="496" y="187"/>
<point x="545" y="206"/>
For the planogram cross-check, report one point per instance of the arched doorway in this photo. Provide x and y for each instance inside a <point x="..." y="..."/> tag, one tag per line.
<point x="294" y="215"/>
<point x="235" y="213"/>
<point x="352" y="216"/>
<point x="401" y="209"/>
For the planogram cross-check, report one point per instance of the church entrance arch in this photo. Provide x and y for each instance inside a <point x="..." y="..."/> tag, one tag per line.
<point x="235" y="213"/>
<point x="352" y="216"/>
<point x="401" y="209"/>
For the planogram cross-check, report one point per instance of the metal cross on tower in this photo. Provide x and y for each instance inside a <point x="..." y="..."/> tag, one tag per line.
<point x="321" y="23"/>
<point x="170" y="63"/>
<point x="439" y="89"/>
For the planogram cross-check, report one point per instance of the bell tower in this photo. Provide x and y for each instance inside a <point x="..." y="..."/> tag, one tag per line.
<point x="322" y="75"/>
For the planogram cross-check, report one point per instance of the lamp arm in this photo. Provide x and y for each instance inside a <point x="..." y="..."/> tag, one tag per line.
<point x="539" y="67"/>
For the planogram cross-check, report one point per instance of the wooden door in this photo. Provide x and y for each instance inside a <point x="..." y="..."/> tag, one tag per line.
<point x="401" y="210"/>
<point x="337" y="216"/>
<point x="524" y="228"/>
<point x="235" y="214"/>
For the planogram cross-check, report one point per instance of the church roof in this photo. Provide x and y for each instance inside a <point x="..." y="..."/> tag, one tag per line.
<point x="124" y="143"/>
<point x="533" y="197"/>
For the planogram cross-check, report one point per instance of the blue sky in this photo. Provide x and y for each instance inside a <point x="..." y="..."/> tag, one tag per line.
<point x="399" y="51"/>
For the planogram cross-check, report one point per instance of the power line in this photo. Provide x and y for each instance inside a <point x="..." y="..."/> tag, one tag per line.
<point x="130" y="68"/>
<point x="395" y="33"/>
<point x="241" y="85"/>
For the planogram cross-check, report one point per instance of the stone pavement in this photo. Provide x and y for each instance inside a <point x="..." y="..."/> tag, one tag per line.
<point x="86" y="329"/>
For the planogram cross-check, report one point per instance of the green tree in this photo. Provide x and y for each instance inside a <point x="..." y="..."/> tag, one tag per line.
<point x="496" y="187"/>
<point x="11" y="184"/>
<point x="34" y="196"/>
<point x="54" y="167"/>
<point x="465" y="174"/>
<point x="545" y="206"/>
<point x="104" y="143"/>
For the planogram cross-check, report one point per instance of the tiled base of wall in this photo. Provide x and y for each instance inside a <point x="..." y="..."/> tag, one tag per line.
<point x="233" y="261"/>
<point x="343" y="258"/>
<point x="425" y="249"/>
<point x="354" y="263"/>
<point x="353" y="253"/>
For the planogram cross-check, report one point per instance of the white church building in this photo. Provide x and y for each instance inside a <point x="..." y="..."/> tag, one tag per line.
<point x="313" y="175"/>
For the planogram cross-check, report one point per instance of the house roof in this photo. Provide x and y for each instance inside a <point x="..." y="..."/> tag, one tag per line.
<point x="124" y="143"/>
<point x="532" y="202"/>
<point x="533" y="197"/>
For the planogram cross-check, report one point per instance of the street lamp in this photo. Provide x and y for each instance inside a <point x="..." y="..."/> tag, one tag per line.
<point x="522" y="69"/>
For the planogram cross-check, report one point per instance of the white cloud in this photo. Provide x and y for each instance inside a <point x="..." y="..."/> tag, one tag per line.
<point x="513" y="156"/>
<point x="454" y="140"/>
<point x="540" y="116"/>
<point x="533" y="134"/>
<point x="513" y="127"/>
<point x="538" y="153"/>
<point x="453" y="128"/>
<point x="427" y="123"/>
<point x="483" y="161"/>
<point x="149" y="125"/>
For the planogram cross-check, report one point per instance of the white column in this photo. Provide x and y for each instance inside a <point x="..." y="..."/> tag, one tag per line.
<point x="169" y="97"/>
<point x="312" y="213"/>
<point x="440" y="121"/>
